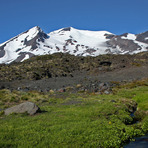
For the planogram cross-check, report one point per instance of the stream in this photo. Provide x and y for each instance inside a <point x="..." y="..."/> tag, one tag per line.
<point x="140" y="142"/>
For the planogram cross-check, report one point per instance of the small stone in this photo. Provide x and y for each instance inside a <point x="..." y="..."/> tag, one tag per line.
<point x="106" y="92"/>
<point x="113" y="101"/>
<point x="61" y="90"/>
<point x="78" y="86"/>
<point x="101" y="85"/>
<point x="51" y="91"/>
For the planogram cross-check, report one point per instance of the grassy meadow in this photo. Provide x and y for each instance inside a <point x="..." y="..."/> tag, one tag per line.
<point x="71" y="120"/>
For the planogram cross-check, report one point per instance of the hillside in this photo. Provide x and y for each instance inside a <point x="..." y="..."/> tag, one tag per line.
<point x="61" y="70"/>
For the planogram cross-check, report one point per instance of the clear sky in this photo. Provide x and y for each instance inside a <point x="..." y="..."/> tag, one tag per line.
<point x="116" y="16"/>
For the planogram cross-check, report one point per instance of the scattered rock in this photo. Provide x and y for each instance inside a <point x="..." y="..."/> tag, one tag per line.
<point x="19" y="88"/>
<point x="61" y="90"/>
<point x="78" y="86"/>
<point x="51" y="91"/>
<point x="106" y="92"/>
<point x="28" y="107"/>
<point x="113" y="101"/>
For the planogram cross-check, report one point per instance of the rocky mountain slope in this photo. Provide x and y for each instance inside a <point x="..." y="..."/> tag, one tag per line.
<point x="70" y="40"/>
<point x="60" y="70"/>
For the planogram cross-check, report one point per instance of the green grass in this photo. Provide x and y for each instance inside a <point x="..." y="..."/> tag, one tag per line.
<point x="139" y="94"/>
<point x="95" y="121"/>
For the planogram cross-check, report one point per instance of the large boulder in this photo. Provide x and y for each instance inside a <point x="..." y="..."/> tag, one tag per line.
<point x="28" y="107"/>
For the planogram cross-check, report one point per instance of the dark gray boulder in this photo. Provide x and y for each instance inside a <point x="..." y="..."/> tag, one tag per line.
<point x="28" y="107"/>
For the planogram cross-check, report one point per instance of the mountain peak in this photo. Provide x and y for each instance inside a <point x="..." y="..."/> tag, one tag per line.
<point x="36" y="28"/>
<point x="70" y="40"/>
<point x="67" y="29"/>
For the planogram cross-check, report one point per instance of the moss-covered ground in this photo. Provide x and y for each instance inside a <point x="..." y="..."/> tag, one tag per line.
<point x="75" y="120"/>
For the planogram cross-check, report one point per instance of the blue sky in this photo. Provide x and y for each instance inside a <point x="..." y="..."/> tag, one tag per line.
<point x="116" y="16"/>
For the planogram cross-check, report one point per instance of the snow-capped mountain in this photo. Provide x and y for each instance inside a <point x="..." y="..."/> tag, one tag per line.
<point x="70" y="40"/>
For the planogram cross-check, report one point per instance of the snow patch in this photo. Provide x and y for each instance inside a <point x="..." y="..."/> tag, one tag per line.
<point x="25" y="58"/>
<point x="129" y="36"/>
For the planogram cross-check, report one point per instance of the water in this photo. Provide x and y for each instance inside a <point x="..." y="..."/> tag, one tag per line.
<point x="140" y="142"/>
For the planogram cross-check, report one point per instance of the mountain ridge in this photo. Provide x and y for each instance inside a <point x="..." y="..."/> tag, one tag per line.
<point x="70" y="40"/>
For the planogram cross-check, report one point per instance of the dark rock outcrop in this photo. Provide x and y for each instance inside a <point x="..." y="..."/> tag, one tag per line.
<point x="143" y="37"/>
